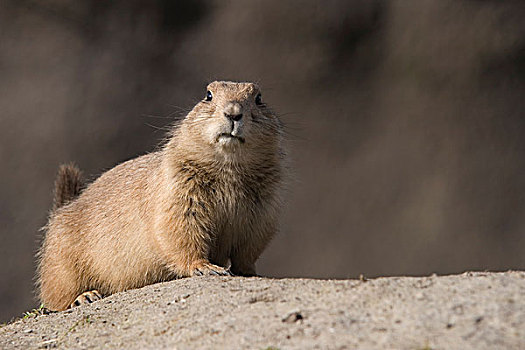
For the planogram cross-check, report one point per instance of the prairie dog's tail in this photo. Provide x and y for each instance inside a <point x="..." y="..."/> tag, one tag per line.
<point x="68" y="185"/>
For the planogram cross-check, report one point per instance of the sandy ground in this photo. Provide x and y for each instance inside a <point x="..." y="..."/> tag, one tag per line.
<point x="468" y="311"/>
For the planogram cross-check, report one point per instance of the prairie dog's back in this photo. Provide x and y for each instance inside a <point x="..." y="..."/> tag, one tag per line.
<point x="121" y="196"/>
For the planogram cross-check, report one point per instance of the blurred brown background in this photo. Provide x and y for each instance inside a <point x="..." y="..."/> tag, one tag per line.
<point x="405" y="119"/>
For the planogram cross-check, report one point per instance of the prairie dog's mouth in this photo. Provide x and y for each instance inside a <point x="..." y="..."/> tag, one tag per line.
<point x="230" y="136"/>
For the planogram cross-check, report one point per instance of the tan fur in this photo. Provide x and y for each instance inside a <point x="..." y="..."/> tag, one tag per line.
<point x="204" y="199"/>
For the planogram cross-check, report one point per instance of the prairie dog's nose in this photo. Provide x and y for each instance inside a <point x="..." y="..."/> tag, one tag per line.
<point x="233" y="111"/>
<point x="235" y="117"/>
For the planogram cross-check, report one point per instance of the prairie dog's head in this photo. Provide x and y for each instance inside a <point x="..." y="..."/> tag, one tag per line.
<point x="232" y="121"/>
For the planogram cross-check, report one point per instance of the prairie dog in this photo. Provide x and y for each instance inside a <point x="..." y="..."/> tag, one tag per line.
<point x="211" y="195"/>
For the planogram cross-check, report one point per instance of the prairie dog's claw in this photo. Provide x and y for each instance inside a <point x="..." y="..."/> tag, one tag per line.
<point x="211" y="269"/>
<point x="86" y="298"/>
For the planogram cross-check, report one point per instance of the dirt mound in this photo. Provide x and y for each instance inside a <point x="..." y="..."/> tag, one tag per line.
<point x="468" y="311"/>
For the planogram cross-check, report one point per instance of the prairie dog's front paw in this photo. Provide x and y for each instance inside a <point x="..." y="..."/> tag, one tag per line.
<point x="210" y="269"/>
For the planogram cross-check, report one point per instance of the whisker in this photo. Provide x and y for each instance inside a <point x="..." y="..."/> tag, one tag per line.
<point x="179" y="109"/>
<point x="158" y="128"/>
<point x="155" y="116"/>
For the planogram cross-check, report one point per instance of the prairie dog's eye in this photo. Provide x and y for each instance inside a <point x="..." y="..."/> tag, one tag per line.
<point x="208" y="95"/>
<point x="258" y="99"/>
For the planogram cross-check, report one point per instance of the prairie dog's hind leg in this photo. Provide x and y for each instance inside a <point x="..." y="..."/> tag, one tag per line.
<point x="59" y="283"/>
<point x="86" y="298"/>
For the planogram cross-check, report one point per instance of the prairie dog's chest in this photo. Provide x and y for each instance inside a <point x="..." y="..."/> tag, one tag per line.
<point x="237" y="206"/>
<point x="235" y="220"/>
